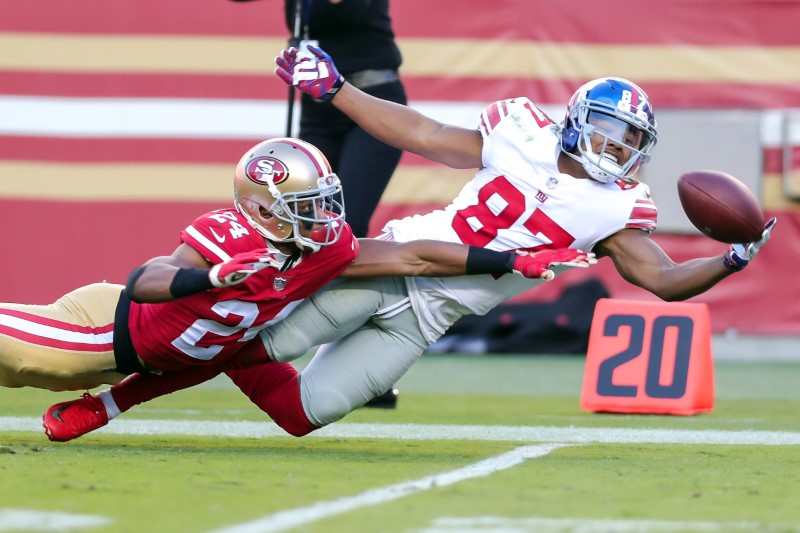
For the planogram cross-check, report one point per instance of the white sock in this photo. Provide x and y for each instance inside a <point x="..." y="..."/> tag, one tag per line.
<point x="108" y="401"/>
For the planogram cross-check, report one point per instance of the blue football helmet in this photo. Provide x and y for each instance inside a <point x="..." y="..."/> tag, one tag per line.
<point x="620" y="113"/>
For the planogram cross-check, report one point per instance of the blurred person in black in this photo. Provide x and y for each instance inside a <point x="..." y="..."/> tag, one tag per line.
<point x="358" y="34"/>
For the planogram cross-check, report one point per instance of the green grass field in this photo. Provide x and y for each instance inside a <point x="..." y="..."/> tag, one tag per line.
<point x="485" y="443"/>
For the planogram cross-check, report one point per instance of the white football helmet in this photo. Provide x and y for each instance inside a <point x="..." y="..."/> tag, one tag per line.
<point x="620" y="112"/>
<point x="285" y="187"/>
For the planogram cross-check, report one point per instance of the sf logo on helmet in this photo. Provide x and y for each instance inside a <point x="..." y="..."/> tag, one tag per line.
<point x="265" y="169"/>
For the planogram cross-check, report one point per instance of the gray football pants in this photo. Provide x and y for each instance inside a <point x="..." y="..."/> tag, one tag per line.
<point x="370" y="337"/>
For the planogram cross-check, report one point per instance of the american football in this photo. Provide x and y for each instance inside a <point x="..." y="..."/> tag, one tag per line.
<point x="721" y="206"/>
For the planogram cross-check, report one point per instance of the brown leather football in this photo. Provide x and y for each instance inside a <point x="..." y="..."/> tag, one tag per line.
<point x="721" y="206"/>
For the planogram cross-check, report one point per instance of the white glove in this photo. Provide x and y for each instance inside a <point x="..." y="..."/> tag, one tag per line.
<point x="537" y="265"/>
<point x="740" y="255"/>
<point x="240" y="267"/>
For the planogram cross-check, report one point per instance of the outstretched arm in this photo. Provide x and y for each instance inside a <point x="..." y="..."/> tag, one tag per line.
<point x="187" y="272"/>
<point x="640" y="261"/>
<point x="394" y="124"/>
<point x="407" y="129"/>
<point x="436" y="258"/>
<point x="643" y="263"/>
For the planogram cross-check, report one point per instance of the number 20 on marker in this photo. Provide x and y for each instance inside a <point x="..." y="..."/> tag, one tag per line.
<point x="649" y="358"/>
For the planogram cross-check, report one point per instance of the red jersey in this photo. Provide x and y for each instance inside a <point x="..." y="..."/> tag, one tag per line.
<point x="213" y="325"/>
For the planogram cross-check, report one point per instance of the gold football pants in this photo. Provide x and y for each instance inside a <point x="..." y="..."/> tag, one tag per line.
<point x="67" y="345"/>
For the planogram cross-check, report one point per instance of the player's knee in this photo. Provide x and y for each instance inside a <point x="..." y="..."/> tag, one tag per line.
<point x="9" y="380"/>
<point x="295" y="424"/>
<point x="328" y="406"/>
<point x="298" y="430"/>
<point x="285" y="348"/>
<point x="43" y="378"/>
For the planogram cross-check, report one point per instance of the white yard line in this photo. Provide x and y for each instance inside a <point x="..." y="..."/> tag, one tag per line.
<point x="482" y="524"/>
<point x="554" y="437"/>
<point x="34" y="520"/>
<point x="292" y="518"/>
<point x="431" y="432"/>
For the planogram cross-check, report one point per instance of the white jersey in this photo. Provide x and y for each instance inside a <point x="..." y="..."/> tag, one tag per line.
<point x="518" y="200"/>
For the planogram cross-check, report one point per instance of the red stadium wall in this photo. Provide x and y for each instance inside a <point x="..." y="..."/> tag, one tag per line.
<point x="120" y="121"/>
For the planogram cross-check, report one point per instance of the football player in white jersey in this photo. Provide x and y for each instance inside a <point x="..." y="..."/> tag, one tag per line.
<point x="540" y="185"/>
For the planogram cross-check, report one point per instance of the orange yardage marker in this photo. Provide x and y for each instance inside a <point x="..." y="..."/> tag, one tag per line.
<point x="650" y="358"/>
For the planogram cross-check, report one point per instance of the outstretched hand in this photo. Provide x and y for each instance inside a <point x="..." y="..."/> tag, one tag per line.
<point x="240" y="267"/>
<point x="314" y="75"/>
<point x="537" y="265"/>
<point x="740" y="255"/>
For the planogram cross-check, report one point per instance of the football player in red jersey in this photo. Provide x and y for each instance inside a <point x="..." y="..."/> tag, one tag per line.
<point x="235" y="272"/>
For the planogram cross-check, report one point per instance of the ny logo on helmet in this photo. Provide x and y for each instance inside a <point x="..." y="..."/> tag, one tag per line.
<point x="264" y="169"/>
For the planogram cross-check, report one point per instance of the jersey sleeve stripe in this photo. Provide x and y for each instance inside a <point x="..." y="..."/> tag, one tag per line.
<point x="641" y="224"/>
<point x="492" y="116"/>
<point x="483" y="127"/>
<point x="643" y="218"/>
<point x="538" y="115"/>
<point x="644" y="215"/>
<point x="644" y="212"/>
<point x="205" y="244"/>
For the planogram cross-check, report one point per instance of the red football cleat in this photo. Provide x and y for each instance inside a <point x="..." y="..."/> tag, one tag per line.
<point x="69" y="420"/>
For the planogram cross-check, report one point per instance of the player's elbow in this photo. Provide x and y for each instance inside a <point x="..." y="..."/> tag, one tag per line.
<point x="433" y="269"/>
<point x="424" y="268"/>
<point x="662" y="291"/>
<point x="670" y="296"/>
<point x="670" y="292"/>
<point x="132" y="288"/>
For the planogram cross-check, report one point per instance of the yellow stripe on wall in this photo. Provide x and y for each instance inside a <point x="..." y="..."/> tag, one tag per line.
<point x="60" y="181"/>
<point x="652" y="63"/>
<point x="127" y="53"/>
<point x="774" y="198"/>
<point x="183" y="182"/>
<point x="454" y="57"/>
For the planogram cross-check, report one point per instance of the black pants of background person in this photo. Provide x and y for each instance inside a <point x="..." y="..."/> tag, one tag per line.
<point x="363" y="163"/>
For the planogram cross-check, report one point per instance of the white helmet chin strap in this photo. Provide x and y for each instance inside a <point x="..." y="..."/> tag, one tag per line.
<point x="305" y="244"/>
<point x="601" y="168"/>
<point x="602" y="171"/>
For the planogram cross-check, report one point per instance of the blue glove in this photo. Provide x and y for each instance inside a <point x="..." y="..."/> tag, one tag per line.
<point x="314" y="75"/>
<point x="740" y="255"/>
